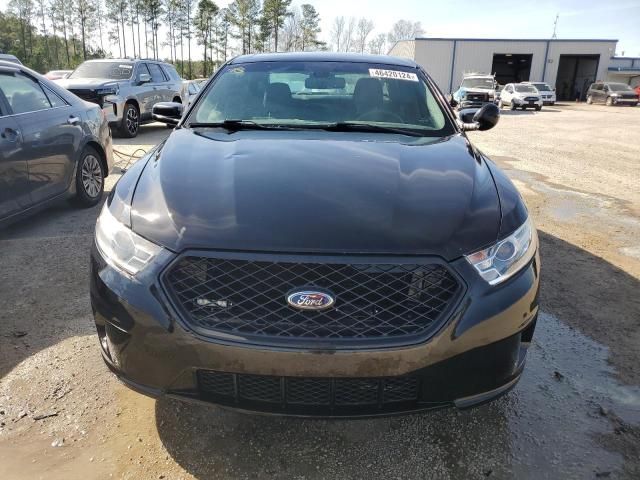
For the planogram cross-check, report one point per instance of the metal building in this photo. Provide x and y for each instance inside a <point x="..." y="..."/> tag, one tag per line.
<point x="568" y="65"/>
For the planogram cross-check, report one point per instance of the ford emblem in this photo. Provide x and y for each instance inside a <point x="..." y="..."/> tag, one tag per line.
<point x="310" y="300"/>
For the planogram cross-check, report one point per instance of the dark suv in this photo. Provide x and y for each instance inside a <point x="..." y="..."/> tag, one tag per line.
<point x="317" y="236"/>
<point x="612" y="93"/>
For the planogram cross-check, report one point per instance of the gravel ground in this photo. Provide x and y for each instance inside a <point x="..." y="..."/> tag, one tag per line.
<point x="575" y="414"/>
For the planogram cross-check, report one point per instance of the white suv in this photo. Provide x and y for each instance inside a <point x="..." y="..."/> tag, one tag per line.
<point x="520" y="95"/>
<point x="547" y="93"/>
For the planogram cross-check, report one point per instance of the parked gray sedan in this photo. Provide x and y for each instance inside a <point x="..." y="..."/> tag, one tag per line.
<point x="53" y="145"/>
<point x="125" y="89"/>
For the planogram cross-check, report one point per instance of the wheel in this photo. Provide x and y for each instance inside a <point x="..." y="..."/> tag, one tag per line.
<point x="512" y="106"/>
<point x="130" y="121"/>
<point x="538" y="108"/>
<point x="500" y="104"/>
<point x="589" y="99"/>
<point x="89" y="178"/>
<point x="609" y="102"/>
<point x="523" y="108"/>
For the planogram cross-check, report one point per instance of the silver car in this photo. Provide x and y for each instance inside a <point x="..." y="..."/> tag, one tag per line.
<point x="126" y="89"/>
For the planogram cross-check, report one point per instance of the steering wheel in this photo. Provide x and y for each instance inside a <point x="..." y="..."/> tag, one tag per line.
<point x="380" y="114"/>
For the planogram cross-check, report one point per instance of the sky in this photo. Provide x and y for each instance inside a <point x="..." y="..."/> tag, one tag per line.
<point x="601" y="19"/>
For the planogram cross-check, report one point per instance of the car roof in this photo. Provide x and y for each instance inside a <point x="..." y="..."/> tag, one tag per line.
<point x="7" y="63"/>
<point x="324" y="57"/>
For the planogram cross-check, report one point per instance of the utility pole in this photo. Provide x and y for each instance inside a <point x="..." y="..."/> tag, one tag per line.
<point x="555" y="27"/>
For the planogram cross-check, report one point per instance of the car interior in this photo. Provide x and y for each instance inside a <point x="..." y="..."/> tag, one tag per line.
<point x="331" y="99"/>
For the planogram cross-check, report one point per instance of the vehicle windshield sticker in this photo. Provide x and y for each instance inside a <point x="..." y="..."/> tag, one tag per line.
<point x="395" y="74"/>
<point x="237" y="70"/>
<point x="125" y="66"/>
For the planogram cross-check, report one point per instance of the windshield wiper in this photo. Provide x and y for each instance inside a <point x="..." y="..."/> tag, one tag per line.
<point x="366" y="127"/>
<point x="235" y="125"/>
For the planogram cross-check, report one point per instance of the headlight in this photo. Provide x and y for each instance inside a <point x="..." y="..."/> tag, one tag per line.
<point x="120" y="246"/>
<point x="113" y="89"/>
<point x="502" y="260"/>
<point x="614" y="95"/>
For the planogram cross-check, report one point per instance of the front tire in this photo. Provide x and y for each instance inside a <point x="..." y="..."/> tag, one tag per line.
<point x="589" y="100"/>
<point x="512" y="106"/>
<point x="89" y="178"/>
<point x="538" y="108"/>
<point x="609" y="102"/>
<point x="130" y="121"/>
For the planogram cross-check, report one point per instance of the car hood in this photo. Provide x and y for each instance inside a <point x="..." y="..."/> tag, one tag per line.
<point x="84" y="83"/>
<point x="315" y="191"/>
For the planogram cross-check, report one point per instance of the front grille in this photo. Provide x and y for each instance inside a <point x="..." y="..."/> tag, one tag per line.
<point x="373" y="301"/>
<point x="88" y="95"/>
<point x="531" y="99"/>
<point x="291" y="393"/>
<point x="483" y="97"/>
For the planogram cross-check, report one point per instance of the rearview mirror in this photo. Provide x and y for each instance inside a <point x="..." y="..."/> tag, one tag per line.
<point x="484" y="119"/>
<point x="167" y="112"/>
<point x="144" y="78"/>
<point x="324" y="83"/>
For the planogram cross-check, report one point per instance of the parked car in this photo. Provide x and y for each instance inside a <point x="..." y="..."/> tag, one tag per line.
<point x="52" y="145"/>
<point x="6" y="57"/>
<point x="57" y="74"/>
<point x="126" y="89"/>
<point x="297" y="252"/>
<point x="547" y="93"/>
<point x="190" y="88"/>
<point x="476" y="90"/>
<point x="612" y="93"/>
<point x="520" y="95"/>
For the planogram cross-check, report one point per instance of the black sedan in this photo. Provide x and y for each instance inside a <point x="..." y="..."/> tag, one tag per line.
<point x="317" y="237"/>
<point x="52" y="145"/>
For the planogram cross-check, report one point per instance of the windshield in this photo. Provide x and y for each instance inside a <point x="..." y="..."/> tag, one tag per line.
<point x="525" y="89"/>
<point x="307" y="94"/>
<point x="486" y="82"/>
<point x="111" y="70"/>
<point x="618" y="86"/>
<point x="543" y="87"/>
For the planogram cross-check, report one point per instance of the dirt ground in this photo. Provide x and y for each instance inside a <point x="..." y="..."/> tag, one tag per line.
<point x="574" y="414"/>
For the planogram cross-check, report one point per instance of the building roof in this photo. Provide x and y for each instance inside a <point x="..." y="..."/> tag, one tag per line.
<point x="519" y="39"/>
<point x="323" y="57"/>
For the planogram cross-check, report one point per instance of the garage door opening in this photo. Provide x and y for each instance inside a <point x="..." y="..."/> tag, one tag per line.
<point x="575" y="74"/>
<point x="511" y="68"/>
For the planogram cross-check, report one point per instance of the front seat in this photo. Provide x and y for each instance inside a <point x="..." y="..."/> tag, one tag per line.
<point x="367" y="98"/>
<point x="277" y="100"/>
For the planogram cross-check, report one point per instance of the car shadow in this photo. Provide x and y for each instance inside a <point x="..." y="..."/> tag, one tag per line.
<point x="581" y="289"/>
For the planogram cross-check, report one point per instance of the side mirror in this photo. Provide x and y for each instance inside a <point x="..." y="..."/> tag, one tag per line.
<point x="167" y="112"/>
<point x="144" y="78"/>
<point x="484" y="119"/>
<point x="453" y="102"/>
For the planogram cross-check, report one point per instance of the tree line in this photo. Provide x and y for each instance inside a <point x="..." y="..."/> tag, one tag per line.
<point x="60" y="34"/>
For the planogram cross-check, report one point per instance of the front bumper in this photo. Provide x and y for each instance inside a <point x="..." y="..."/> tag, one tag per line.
<point x="625" y="101"/>
<point x="477" y="355"/>
<point x="113" y="108"/>
<point x="523" y="103"/>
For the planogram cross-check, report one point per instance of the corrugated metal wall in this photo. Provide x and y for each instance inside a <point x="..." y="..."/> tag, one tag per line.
<point x="605" y="49"/>
<point x="477" y="56"/>
<point x="404" y="49"/>
<point x="435" y="56"/>
<point x="441" y="57"/>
